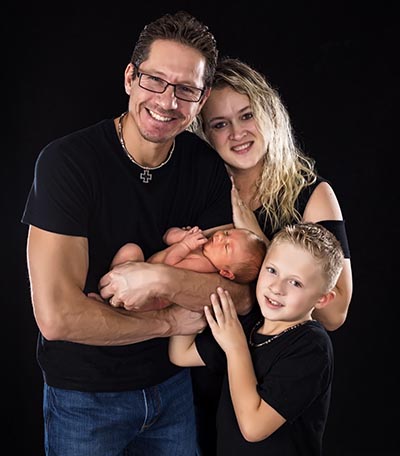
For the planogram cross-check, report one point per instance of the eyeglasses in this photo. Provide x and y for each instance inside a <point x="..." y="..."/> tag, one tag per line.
<point x="158" y="85"/>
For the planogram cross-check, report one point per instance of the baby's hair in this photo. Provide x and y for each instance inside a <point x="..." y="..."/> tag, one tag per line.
<point x="320" y="243"/>
<point x="246" y="272"/>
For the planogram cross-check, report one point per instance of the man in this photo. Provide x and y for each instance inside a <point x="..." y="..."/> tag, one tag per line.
<point x="109" y="387"/>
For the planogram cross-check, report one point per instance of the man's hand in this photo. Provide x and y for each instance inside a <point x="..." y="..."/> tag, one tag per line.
<point x="132" y="285"/>
<point x="184" y="321"/>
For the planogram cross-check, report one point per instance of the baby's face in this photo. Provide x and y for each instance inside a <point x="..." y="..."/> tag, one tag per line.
<point x="226" y="247"/>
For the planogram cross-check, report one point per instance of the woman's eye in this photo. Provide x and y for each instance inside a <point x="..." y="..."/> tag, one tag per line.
<point x="218" y="125"/>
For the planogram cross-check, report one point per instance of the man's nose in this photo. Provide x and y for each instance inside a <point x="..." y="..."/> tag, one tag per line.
<point x="167" y="100"/>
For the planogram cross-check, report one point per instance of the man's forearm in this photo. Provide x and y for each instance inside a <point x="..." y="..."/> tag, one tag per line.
<point x="192" y="290"/>
<point x="133" y="285"/>
<point x="88" y="321"/>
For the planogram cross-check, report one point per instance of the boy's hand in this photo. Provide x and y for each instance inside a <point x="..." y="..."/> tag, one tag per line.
<point x="225" y="325"/>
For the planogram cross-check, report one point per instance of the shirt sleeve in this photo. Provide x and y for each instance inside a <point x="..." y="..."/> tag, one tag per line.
<point x="338" y="228"/>
<point x="210" y="352"/>
<point x="58" y="200"/>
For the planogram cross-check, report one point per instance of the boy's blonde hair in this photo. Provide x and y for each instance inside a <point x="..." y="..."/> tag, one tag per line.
<point x="320" y="243"/>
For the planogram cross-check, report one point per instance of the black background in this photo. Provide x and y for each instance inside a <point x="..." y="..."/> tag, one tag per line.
<point x="334" y="66"/>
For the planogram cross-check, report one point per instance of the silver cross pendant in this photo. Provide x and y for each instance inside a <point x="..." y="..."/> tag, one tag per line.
<point x="145" y="176"/>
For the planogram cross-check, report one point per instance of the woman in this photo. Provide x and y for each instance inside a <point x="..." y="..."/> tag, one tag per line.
<point x="275" y="183"/>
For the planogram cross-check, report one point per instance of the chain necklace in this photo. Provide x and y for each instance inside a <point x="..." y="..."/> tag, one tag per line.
<point x="268" y="341"/>
<point x="146" y="175"/>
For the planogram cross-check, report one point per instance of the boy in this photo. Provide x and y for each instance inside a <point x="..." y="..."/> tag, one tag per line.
<point x="276" y="393"/>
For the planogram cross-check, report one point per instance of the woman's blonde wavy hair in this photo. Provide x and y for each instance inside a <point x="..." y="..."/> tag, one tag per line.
<point x="286" y="169"/>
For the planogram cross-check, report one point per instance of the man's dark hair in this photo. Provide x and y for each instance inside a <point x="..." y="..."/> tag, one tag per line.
<point x="182" y="28"/>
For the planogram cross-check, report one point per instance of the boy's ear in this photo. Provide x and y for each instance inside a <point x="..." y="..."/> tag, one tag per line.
<point x="325" y="299"/>
<point x="227" y="274"/>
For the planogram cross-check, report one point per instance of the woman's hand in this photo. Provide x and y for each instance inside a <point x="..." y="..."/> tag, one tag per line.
<point x="243" y="216"/>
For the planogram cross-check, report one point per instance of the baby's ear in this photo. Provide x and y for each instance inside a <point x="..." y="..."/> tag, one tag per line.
<point x="227" y="274"/>
<point x="325" y="299"/>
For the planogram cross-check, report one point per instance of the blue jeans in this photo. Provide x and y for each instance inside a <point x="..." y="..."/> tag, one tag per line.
<point x="155" y="421"/>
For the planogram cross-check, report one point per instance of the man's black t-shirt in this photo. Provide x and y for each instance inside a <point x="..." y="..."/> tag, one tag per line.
<point x="85" y="185"/>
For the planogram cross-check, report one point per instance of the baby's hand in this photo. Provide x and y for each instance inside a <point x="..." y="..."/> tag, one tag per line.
<point x="194" y="239"/>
